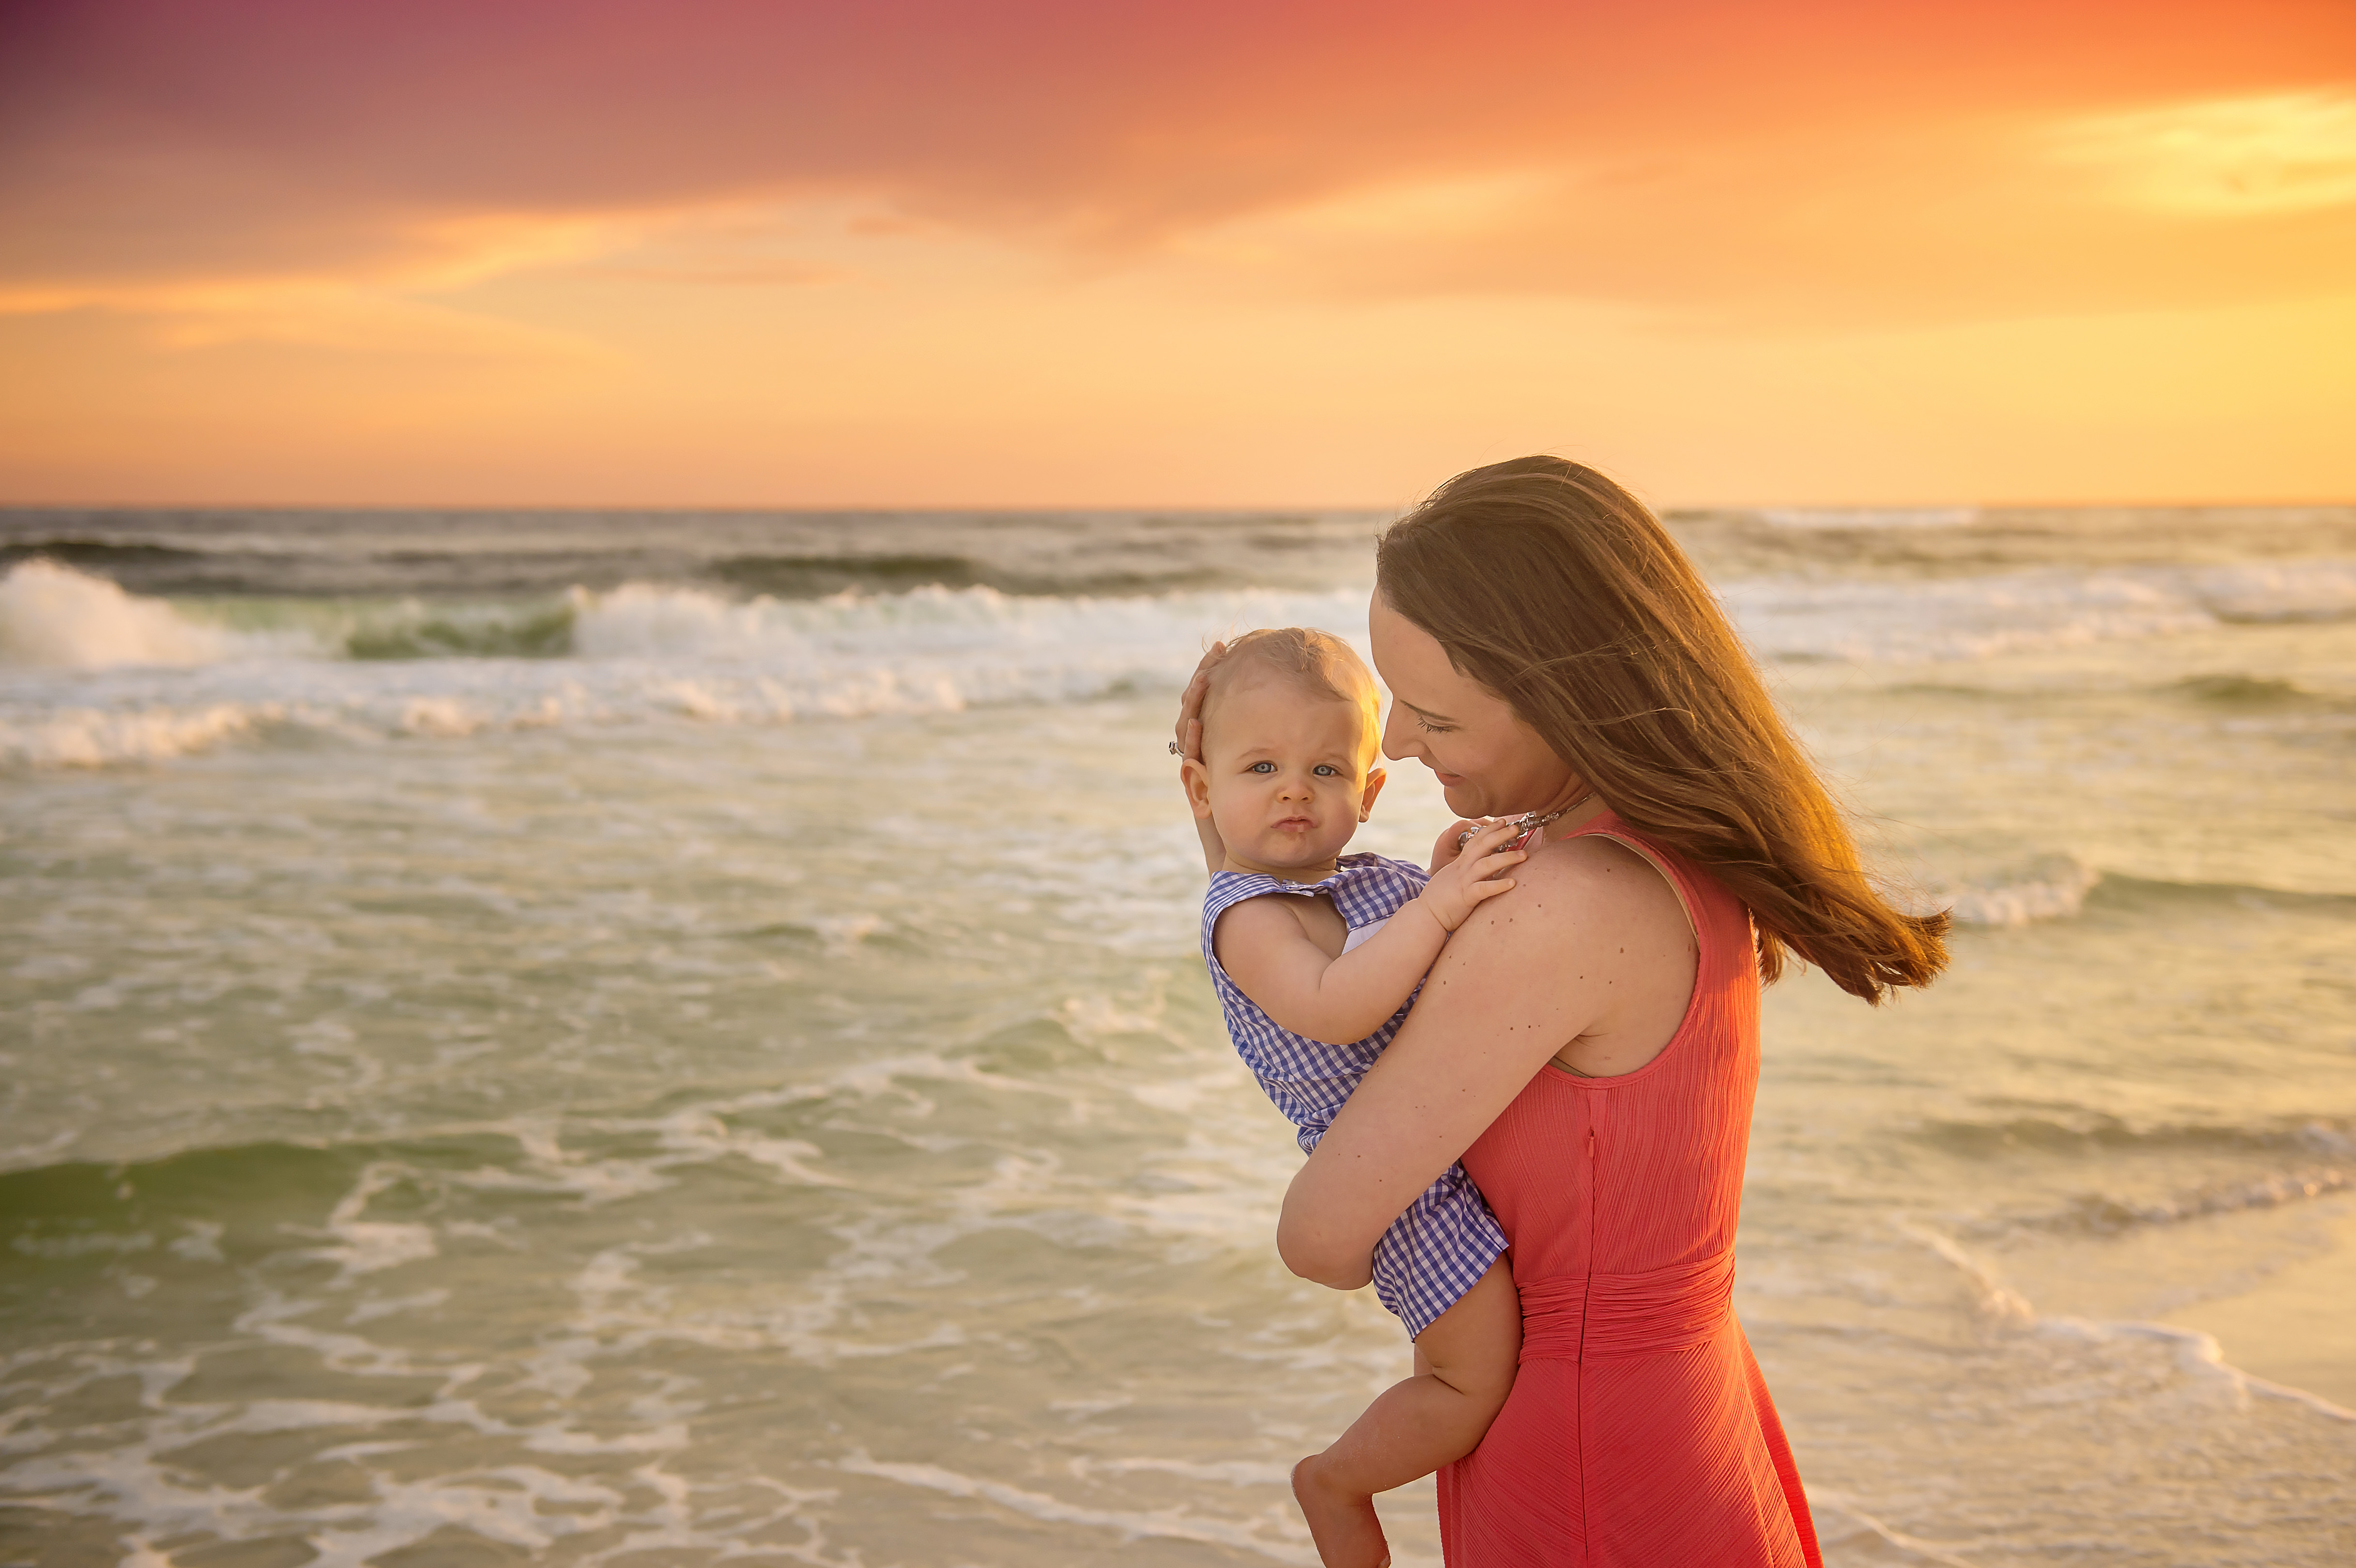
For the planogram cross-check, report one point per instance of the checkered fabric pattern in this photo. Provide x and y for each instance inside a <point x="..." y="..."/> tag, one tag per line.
<point x="1447" y="1239"/>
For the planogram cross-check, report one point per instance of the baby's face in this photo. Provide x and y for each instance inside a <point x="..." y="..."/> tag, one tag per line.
<point x="1284" y="773"/>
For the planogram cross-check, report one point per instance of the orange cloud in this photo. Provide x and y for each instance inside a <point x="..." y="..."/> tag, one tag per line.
<point x="1857" y="156"/>
<point x="757" y="249"/>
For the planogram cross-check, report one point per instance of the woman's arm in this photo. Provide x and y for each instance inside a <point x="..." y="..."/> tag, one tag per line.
<point x="1215" y="849"/>
<point x="1528" y="973"/>
<point x="1187" y="744"/>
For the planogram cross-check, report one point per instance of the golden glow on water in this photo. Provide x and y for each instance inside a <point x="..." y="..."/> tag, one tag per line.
<point x="2290" y="1323"/>
<point x="655" y="1064"/>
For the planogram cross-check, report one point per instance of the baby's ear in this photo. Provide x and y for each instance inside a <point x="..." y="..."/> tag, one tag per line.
<point x="1376" y="779"/>
<point x="1195" y="779"/>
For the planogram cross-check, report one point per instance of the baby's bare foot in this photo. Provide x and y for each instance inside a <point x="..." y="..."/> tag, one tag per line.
<point x="1343" y="1523"/>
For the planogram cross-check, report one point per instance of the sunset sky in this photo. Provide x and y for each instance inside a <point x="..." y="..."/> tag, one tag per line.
<point x="1201" y="254"/>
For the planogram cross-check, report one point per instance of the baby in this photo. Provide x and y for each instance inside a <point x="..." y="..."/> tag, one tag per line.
<point x="1310" y="948"/>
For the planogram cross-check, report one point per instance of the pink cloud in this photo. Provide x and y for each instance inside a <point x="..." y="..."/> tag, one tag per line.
<point x="1688" y="152"/>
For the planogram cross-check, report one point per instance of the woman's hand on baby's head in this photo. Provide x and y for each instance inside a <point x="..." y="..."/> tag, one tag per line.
<point x="1190" y="705"/>
<point x="1476" y="874"/>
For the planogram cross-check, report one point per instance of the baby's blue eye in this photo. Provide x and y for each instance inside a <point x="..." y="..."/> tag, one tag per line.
<point x="1262" y="768"/>
<point x="1327" y="770"/>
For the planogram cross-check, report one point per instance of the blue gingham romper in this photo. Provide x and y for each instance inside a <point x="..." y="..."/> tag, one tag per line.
<point x="1447" y="1239"/>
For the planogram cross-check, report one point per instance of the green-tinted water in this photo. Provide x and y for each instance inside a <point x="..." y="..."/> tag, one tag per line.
<point x="744" y="1088"/>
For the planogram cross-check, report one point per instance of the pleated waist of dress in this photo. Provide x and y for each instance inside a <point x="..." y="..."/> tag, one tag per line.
<point x="1614" y="1316"/>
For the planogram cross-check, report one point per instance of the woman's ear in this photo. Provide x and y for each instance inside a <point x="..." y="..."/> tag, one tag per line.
<point x="1376" y="779"/>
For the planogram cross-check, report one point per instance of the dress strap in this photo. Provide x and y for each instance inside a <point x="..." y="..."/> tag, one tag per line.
<point x="1674" y="870"/>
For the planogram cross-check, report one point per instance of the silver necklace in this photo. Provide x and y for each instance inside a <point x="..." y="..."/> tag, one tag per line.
<point x="1528" y="823"/>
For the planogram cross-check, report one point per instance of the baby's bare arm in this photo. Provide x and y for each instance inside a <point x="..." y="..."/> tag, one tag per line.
<point x="1267" y="952"/>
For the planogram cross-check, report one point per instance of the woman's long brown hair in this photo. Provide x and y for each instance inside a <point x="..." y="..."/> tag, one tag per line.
<point x="1557" y="590"/>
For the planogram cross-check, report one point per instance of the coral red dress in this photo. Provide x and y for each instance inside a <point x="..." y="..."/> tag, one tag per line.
<point x="1639" y="1434"/>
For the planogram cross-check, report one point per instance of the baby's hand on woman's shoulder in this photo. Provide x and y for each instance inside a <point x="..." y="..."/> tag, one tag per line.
<point x="1451" y="841"/>
<point x="1474" y="873"/>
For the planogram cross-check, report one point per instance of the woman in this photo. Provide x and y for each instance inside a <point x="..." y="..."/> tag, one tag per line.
<point x="1588" y="1044"/>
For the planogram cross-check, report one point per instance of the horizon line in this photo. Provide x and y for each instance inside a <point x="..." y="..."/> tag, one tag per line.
<point x="1010" y="508"/>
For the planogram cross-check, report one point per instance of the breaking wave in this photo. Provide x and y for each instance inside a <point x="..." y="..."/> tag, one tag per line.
<point x="2253" y="694"/>
<point x="2309" y="1160"/>
<point x="2052" y="887"/>
<point x="91" y="674"/>
<point x="2196" y="1356"/>
<point x="2061" y="887"/>
<point x="94" y="675"/>
<point x="54" y="617"/>
<point x="2087" y="1132"/>
<point x="1966" y="618"/>
<point x="2100" y="1213"/>
<point x="1871" y="517"/>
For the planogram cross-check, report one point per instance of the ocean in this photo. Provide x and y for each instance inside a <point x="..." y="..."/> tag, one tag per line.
<point x="677" y="1037"/>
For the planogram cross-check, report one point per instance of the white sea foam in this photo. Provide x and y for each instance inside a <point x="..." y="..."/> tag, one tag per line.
<point x="928" y="650"/>
<point x="2196" y="1354"/>
<point x="1919" y="620"/>
<point x="641" y="654"/>
<point x="2052" y="887"/>
<point x="1045" y="1194"/>
<point x="1993" y="1301"/>
<point x="1166" y="1524"/>
<point x="146" y="1487"/>
<point x="1226" y="1472"/>
<point x="80" y="684"/>
<point x="444" y="716"/>
<point x="55" y="618"/>
<point x="2273" y="1191"/>
<point x="1848" y="1521"/>
<point x="1964" y="618"/>
<point x="1871" y="517"/>
<point x="143" y="1484"/>
<point x="91" y="737"/>
<point x="81" y="1245"/>
<point x="2285" y="591"/>
<point x="359" y="1245"/>
<point x="697" y="1136"/>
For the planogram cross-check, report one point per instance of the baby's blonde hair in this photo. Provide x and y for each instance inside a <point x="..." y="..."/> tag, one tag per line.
<point x="1318" y="662"/>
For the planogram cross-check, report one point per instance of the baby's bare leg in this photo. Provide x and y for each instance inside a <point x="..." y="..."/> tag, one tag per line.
<point x="1464" y="1364"/>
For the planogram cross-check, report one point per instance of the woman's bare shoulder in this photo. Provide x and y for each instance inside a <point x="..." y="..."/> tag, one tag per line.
<point x="1593" y="874"/>
<point x="1573" y="889"/>
<point x="1591" y="949"/>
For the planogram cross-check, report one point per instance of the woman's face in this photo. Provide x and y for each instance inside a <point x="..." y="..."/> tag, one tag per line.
<point x="1488" y="761"/>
